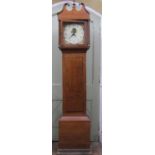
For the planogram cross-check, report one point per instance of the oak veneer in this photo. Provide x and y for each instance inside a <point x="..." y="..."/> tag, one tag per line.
<point x="74" y="125"/>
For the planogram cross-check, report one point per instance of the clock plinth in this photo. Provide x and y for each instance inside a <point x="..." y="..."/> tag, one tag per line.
<point x="74" y="125"/>
<point x="74" y="132"/>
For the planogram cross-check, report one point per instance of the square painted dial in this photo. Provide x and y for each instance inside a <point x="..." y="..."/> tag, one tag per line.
<point x="74" y="33"/>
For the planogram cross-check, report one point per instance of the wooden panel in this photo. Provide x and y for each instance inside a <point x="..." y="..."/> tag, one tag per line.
<point x="65" y="14"/>
<point x="74" y="82"/>
<point x="74" y="132"/>
<point x="57" y="113"/>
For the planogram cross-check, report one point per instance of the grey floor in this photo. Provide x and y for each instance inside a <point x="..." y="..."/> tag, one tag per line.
<point x="96" y="148"/>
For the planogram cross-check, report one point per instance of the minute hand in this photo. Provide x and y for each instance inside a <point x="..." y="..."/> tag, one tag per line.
<point x="73" y="34"/>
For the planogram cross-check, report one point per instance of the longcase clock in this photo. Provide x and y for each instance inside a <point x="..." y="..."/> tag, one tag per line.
<point x="74" y="125"/>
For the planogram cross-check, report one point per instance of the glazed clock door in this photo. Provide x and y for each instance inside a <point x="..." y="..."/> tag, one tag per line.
<point x="93" y="71"/>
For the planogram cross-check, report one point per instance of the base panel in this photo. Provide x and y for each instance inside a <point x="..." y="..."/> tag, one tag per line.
<point x="74" y="132"/>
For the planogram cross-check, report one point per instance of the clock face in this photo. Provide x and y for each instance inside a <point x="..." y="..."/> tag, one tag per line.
<point x="73" y="33"/>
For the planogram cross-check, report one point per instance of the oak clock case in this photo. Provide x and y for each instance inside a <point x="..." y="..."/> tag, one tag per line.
<point x="74" y="125"/>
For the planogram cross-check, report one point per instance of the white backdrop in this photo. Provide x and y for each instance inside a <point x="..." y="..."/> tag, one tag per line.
<point x="128" y="77"/>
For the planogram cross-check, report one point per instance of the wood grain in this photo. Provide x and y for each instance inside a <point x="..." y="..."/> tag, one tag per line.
<point x="74" y="132"/>
<point x="74" y="82"/>
<point x="74" y="125"/>
<point x="83" y="14"/>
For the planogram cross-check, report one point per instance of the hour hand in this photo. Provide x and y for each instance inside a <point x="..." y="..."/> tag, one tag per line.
<point x="73" y="34"/>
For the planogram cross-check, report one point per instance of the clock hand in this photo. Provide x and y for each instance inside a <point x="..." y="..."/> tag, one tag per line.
<point x="73" y="34"/>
